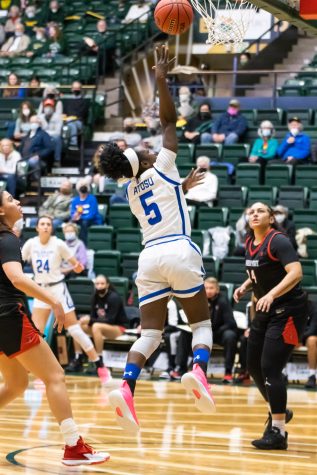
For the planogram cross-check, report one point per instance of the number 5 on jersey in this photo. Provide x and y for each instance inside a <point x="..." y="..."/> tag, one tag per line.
<point x="150" y="209"/>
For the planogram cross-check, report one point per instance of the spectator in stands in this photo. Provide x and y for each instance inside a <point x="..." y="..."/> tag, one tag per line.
<point x="206" y="192"/>
<point x="13" y="90"/>
<point x="38" y="45"/>
<point x="129" y="134"/>
<point x="52" y="123"/>
<point x="93" y="43"/>
<point x="53" y="14"/>
<point x="224" y="327"/>
<point x="228" y="128"/>
<point x="8" y="164"/>
<point x="310" y="341"/>
<point x="56" y="44"/>
<point x="154" y="141"/>
<point x="14" y="17"/>
<point x="57" y="205"/>
<point x="16" y="44"/>
<point x="265" y="147"/>
<point x="78" y="249"/>
<point x="77" y="111"/>
<point x="295" y="148"/>
<point x="84" y="209"/>
<point x="2" y="34"/>
<point x="107" y="319"/>
<point x="37" y="148"/>
<point x="285" y="225"/>
<point x="244" y="59"/>
<point x="50" y="92"/>
<point x="122" y="144"/>
<point x="139" y="11"/>
<point x="23" y="124"/>
<point x="185" y="109"/>
<point x="35" y="89"/>
<point x="197" y="125"/>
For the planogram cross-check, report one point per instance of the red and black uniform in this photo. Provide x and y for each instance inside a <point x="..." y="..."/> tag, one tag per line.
<point x="17" y="331"/>
<point x="273" y="334"/>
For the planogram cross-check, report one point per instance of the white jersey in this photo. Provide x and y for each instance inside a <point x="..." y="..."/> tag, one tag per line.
<point x="156" y="199"/>
<point x="46" y="259"/>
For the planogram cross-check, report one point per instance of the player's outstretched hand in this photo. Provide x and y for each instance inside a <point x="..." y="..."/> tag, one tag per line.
<point x="194" y="178"/>
<point x="162" y="62"/>
<point x="59" y="316"/>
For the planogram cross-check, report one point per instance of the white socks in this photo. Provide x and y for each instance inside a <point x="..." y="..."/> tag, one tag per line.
<point x="70" y="432"/>
<point x="280" y="425"/>
<point x="312" y="372"/>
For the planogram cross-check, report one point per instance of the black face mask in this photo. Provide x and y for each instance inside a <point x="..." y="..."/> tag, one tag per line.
<point x="83" y="189"/>
<point x="101" y="291"/>
<point x="205" y="115"/>
<point x="128" y="130"/>
<point x="153" y="131"/>
<point x="50" y="96"/>
<point x="77" y="92"/>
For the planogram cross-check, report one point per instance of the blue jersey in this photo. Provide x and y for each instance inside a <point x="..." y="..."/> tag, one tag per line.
<point x="157" y="200"/>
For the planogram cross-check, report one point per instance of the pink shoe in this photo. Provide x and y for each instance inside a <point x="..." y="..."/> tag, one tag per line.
<point x="196" y="385"/>
<point x="104" y="375"/>
<point x="83" y="454"/>
<point x="121" y="401"/>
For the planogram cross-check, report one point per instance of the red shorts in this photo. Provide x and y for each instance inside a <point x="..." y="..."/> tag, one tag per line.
<point x="17" y="331"/>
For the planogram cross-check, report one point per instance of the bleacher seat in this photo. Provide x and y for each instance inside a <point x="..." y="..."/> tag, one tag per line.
<point x="184" y="168"/>
<point x="81" y="290"/>
<point x="120" y="216"/>
<point x="227" y="289"/>
<point x="121" y="285"/>
<point x="211" y="266"/>
<point x="107" y="262"/>
<point x="292" y="196"/>
<point x="185" y="152"/>
<point x="128" y="240"/>
<point x="234" y="215"/>
<point x="306" y="175"/>
<point x="263" y="194"/>
<point x="233" y="270"/>
<point x="100" y="238"/>
<point x="313" y="197"/>
<point x="248" y="174"/>
<point x="309" y="272"/>
<point x="221" y="172"/>
<point x="210" y="217"/>
<point x="213" y="151"/>
<point x="278" y="175"/>
<point x="305" y="115"/>
<point x="129" y="264"/>
<point x="293" y="87"/>
<point x="197" y="237"/>
<point x="273" y="115"/>
<point x="231" y="196"/>
<point x="235" y="153"/>
<point x="305" y="218"/>
<point x="312" y="246"/>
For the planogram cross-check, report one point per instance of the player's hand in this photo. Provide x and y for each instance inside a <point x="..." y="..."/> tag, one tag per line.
<point x="78" y="268"/>
<point x="239" y="292"/>
<point x="59" y="316"/>
<point x="264" y="303"/>
<point x="194" y="178"/>
<point x="162" y="62"/>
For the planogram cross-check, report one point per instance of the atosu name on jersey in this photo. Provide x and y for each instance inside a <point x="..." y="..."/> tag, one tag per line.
<point x="144" y="185"/>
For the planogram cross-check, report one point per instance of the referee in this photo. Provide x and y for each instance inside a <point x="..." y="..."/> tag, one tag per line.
<point x="274" y="273"/>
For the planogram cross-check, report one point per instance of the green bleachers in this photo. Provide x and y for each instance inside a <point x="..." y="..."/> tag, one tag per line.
<point x="210" y="217"/>
<point x="100" y="237"/>
<point x="81" y="290"/>
<point x="128" y="240"/>
<point x="107" y="263"/>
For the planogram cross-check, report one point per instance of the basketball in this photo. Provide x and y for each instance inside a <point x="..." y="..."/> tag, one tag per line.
<point x="173" y="17"/>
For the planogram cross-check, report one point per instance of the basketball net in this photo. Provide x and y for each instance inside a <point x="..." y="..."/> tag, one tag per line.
<point x="227" y="21"/>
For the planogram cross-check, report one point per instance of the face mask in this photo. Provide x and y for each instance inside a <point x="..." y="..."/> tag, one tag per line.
<point x="54" y="10"/>
<point x="83" y="189"/>
<point x="280" y="218"/>
<point x="232" y="111"/>
<point x="50" y="96"/>
<point x="101" y="291"/>
<point x="34" y="127"/>
<point x="184" y="97"/>
<point x="26" y="112"/>
<point x="39" y="37"/>
<point x="205" y="115"/>
<point x="128" y="129"/>
<point x="153" y="131"/>
<point x="266" y="132"/>
<point x="30" y="14"/>
<point x="243" y="62"/>
<point x="70" y="236"/>
<point x="294" y="131"/>
<point x="18" y="33"/>
<point x="48" y="110"/>
<point x="76" y="92"/>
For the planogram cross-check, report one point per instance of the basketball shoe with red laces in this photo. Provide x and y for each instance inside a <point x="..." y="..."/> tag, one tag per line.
<point x="195" y="383"/>
<point x="122" y="402"/>
<point x="83" y="454"/>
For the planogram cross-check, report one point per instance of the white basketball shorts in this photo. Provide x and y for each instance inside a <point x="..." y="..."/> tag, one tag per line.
<point x="60" y="291"/>
<point x="172" y="267"/>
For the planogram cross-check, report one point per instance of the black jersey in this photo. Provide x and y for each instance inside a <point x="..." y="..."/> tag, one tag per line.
<point x="265" y="264"/>
<point x="9" y="252"/>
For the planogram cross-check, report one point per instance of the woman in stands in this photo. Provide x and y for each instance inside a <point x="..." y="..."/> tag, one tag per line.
<point x="170" y="264"/>
<point x="46" y="253"/>
<point x="22" y="349"/>
<point x="107" y="319"/>
<point x="281" y="313"/>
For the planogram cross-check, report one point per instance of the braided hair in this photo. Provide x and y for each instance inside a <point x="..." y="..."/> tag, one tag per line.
<point x="113" y="163"/>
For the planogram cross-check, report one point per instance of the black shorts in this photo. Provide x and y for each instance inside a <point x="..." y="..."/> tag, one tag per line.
<point x="285" y="320"/>
<point x="17" y="331"/>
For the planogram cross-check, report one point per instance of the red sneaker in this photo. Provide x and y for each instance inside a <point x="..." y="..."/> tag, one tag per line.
<point x="122" y="402"/>
<point x="195" y="383"/>
<point x="227" y="379"/>
<point x="83" y="454"/>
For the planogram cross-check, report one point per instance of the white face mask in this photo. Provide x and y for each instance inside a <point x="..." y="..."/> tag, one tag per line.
<point x="39" y="37"/>
<point x="280" y="218"/>
<point x="48" y="110"/>
<point x="294" y="131"/>
<point x="70" y="236"/>
<point x="266" y="132"/>
<point x="34" y="126"/>
<point x="26" y="112"/>
<point x="184" y="97"/>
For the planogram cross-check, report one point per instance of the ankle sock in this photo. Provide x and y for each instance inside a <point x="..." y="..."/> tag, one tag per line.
<point x="69" y="431"/>
<point x="201" y="357"/>
<point x="280" y="425"/>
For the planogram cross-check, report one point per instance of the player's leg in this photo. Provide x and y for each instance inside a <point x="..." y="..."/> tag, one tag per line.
<point x="195" y="382"/>
<point x="15" y="380"/>
<point x="41" y="361"/>
<point x="102" y="331"/>
<point x="40" y="316"/>
<point x="311" y="344"/>
<point x="153" y="316"/>
<point x="76" y="364"/>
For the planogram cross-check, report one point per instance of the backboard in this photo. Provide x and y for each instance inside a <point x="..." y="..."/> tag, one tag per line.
<point x="301" y="13"/>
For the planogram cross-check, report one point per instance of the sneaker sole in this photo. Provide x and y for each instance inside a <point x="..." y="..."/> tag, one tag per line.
<point x="124" y="417"/>
<point x="268" y="448"/>
<point x="73" y="463"/>
<point x="203" y="399"/>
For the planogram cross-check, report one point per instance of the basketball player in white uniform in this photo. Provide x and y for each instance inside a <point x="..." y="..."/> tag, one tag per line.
<point x="46" y="253"/>
<point x="170" y="264"/>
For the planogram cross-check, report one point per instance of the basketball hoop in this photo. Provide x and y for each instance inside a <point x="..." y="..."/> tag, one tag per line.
<point x="227" y="21"/>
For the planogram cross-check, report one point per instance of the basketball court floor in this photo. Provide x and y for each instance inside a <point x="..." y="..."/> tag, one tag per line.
<point x="175" y="438"/>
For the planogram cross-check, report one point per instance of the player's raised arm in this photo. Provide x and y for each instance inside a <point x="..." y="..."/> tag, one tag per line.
<point x="168" y="115"/>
